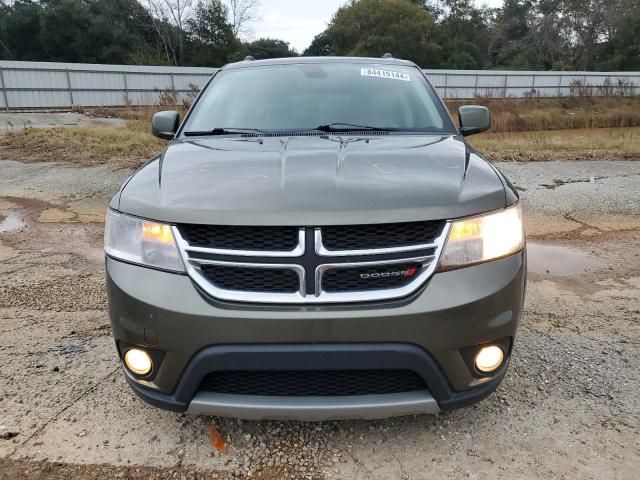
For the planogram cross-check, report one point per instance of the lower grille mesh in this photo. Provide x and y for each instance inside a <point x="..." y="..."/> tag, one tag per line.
<point x="293" y="383"/>
<point x="252" y="279"/>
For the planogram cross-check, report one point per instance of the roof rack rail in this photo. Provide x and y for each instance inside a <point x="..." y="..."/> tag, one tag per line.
<point x="387" y="55"/>
<point x="249" y="58"/>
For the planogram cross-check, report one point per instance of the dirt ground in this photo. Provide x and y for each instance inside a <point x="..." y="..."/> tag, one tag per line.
<point x="568" y="408"/>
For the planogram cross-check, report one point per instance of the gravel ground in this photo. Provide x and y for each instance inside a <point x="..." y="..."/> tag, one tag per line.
<point x="569" y="407"/>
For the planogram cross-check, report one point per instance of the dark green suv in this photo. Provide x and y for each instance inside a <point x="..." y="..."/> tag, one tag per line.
<point x="316" y="241"/>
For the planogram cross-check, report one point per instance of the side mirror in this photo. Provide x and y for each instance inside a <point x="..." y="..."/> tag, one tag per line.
<point x="474" y="119"/>
<point x="165" y="124"/>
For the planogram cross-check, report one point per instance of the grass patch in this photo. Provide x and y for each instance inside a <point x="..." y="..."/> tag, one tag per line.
<point x="128" y="146"/>
<point x="118" y="146"/>
<point x="578" y="144"/>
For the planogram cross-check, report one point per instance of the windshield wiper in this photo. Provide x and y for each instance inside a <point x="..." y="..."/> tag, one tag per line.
<point x="345" y="127"/>
<point x="222" y="131"/>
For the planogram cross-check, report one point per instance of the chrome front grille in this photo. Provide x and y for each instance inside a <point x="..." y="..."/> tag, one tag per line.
<point x="382" y="267"/>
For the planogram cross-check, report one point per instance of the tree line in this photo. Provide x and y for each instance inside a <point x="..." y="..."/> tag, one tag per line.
<point x="149" y="32"/>
<point x="522" y="34"/>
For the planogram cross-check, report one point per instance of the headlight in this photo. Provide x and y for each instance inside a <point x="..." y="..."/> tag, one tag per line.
<point x="141" y="241"/>
<point x="483" y="238"/>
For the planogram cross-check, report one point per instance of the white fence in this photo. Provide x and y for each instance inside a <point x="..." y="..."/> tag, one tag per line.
<point x="45" y="85"/>
<point x="34" y="85"/>
<point x="463" y="84"/>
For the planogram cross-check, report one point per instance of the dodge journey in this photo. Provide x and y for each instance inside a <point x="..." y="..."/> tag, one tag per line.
<point x="316" y="241"/>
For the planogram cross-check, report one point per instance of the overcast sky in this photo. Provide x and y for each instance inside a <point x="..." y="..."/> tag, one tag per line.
<point x="298" y="21"/>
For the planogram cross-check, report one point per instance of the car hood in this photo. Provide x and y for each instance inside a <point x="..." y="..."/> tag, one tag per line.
<point x="313" y="180"/>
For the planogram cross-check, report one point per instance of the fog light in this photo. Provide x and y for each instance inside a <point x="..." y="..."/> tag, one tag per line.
<point x="489" y="358"/>
<point x="138" y="361"/>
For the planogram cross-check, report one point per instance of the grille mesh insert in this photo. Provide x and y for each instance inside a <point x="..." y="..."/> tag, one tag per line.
<point x="248" y="279"/>
<point x="292" y="383"/>
<point x="278" y="239"/>
<point x="375" y="277"/>
<point x="355" y="237"/>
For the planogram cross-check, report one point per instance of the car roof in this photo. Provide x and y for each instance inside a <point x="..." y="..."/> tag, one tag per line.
<point x="332" y="59"/>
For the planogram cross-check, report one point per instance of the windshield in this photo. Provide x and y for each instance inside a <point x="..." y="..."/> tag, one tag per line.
<point x="307" y="96"/>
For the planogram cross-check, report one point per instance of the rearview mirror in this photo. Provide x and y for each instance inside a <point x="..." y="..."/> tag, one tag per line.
<point x="165" y="124"/>
<point x="474" y="119"/>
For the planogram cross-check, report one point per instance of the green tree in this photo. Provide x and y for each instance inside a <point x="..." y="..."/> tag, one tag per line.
<point x="374" y="27"/>
<point x="116" y="29"/>
<point x="522" y="34"/>
<point x="321" y="46"/>
<point x="211" y="39"/>
<point x="583" y="25"/>
<point x="269" y="48"/>
<point x="512" y="45"/>
<point x="621" y="51"/>
<point x="94" y="31"/>
<point x="20" y="30"/>
<point x="464" y="32"/>
<point x="62" y="31"/>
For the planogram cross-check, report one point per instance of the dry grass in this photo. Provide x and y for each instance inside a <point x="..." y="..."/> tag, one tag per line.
<point x="508" y="114"/>
<point x="134" y="113"/>
<point x="120" y="147"/>
<point x="128" y="146"/>
<point x="511" y="115"/>
<point x="578" y="144"/>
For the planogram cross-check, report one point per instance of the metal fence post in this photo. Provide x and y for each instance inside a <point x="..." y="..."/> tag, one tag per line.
<point x="533" y="84"/>
<point x="4" y="91"/>
<point x="559" y="86"/>
<point x="475" y="87"/>
<point x="446" y="83"/>
<point x="173" y="88"/>
<point x="127" y="101"/>
<point x="66" y="71"/>
<point x="504" y="88"/>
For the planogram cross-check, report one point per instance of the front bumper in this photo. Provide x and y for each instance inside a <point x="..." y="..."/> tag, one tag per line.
<point x="424" y="333"/>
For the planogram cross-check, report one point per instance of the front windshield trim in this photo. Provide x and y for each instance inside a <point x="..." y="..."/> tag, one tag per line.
<point x="448" y="127"/>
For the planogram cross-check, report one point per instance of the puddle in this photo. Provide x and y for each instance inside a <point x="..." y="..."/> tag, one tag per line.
<point x="10" y="222"/>
<point x="559" y="260"/>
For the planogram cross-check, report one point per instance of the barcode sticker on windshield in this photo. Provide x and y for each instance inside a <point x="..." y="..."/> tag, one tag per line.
<point x="375" y="72"/>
